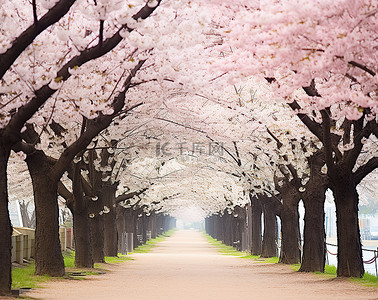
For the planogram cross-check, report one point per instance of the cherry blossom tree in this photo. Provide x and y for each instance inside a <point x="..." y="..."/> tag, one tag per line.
<point x="330" y="53"/>
<point x="16" y="113"/>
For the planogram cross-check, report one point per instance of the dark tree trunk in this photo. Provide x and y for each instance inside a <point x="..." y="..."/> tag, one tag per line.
<point x="221" y="219"/>
<point x="110" y="226"/>
<point x="5" y="225"/>
<point x="135" y="218"/>
<point x="121" y="225"/>
<point x="48" y="254"/>
<point x="239" y="226"/>
<point x="227" y="228"/>
<point x="83" y="249"/>
<point x="269" y="242"/>
<point x="97" y="238"/>
<point x="81" y="226"/>
<point x="314" y="248"/>
<point x="256" y="211"/>
<point x="97" y="232"/>
<point x="144" y="222"/>
<point x="314" y="232"/>
<point x="235" y="230"/>
<point x="349" y="257"/>
<point x="129" y="220"/>
<point x="290" y="235"/>
<point x="212" y="226"/>
<point x="153" y="225"/>
<point x="216" y="227"/>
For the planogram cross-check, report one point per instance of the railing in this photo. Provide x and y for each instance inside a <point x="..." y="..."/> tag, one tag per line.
<point x="372" y="260"/>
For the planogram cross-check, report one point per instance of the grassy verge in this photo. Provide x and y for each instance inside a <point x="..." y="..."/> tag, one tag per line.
<point x="23" y="276"/>
<point x="366" y="280"/>
<point x="152" y="243"/>
<point x="329" y="271"/>
<point x="229" y="250"/>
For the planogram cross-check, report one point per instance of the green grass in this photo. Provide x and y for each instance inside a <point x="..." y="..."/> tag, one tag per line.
<point x="331" y="272"/>
<point x="224" y="249"/>
<point x="24" y="277"/>
<point x="367" y="280"/>
<point x="69" y="259"/>
<point x="115" y="260"/>
<point x="152" y="243"/>
<point x="112" y="260"/>
<point x="259" y="259"/>
<point x="295" y="267"/>
<point x="229" y="250"/>
<point x="169" y="232"/>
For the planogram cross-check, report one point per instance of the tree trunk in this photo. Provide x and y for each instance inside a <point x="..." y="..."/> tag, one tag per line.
<point x="220" y="227"/>
<point x="135" y="219"/>
<point x="83" y="249"/>
<point x="5" y="225"/>
<point x="144" y="220"/>
<point x="314" y="248"/>
<point x="121" y="226"/>
<point x="290" y="252"/>
<point x="153" y="225"/>
<point x="227" y="228"/>
<point x="48" y="254"/>
<point x="96" y="224"/>
<point x="110" y="226"/>
<point x="269" y="242"/>
<point x="81" y="227"/>
<point x="240" y="216"/>
<point x="349" y="257"/>
<point x="256" y="226"/>
<point x="235" y="230"/>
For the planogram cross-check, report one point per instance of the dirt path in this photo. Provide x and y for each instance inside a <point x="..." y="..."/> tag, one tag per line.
<point x="185" y="266"/>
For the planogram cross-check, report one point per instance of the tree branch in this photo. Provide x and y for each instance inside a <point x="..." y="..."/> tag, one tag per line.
<point x="314" y="127"/>
<point x="44" y="93"/>
<point x="362" y="67"/>
<point x="360" y="132"/>
<point x="27" y="37"/>
<point x="364" y="170"/>
<point x="127" y="196"/>
<point x="65" y="193"/>
<point x="35" y="17"/>
<point x="327" y="143"/>
<point x="94" y="127"/>
<point x="237" y="154"/>
<point x="101" y="34"/>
